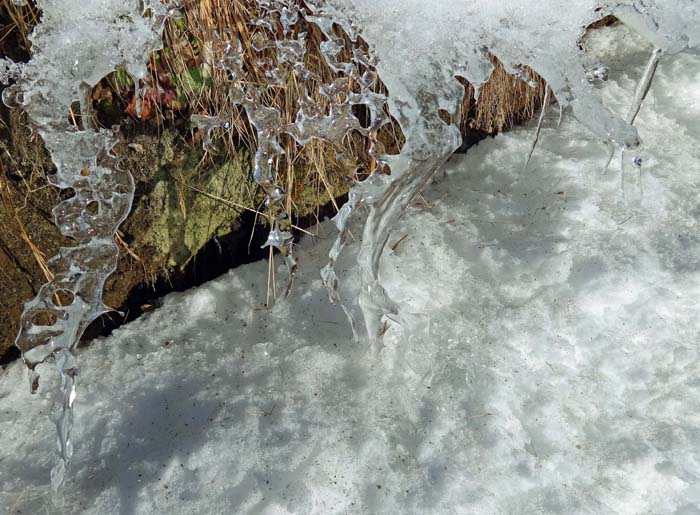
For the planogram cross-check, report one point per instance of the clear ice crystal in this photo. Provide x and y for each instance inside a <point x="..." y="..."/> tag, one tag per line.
<point x="76" y="44"/>
<point x="280" y="44"/>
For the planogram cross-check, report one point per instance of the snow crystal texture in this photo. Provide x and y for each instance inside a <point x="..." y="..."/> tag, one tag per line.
<point x="553" y="366"/>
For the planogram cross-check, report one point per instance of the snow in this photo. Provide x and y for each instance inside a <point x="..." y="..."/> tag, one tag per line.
<point x="68" y="59"/>
<point x="549" y="363"/>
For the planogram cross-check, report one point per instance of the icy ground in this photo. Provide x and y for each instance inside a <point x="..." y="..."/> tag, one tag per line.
<point x="554" y="366"/>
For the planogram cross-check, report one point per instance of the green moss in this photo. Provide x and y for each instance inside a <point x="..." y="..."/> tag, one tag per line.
<point x="208" y="217"/>
<point x="184" y="219"/>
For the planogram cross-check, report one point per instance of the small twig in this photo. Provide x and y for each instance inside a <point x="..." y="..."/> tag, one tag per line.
<point x="480" y="416"/>
<point x="234" y="204"/>
<point x="36" y="252"/>
<point x="393" y="247"/>
<point x="120" y="241"/>
<point x="626" y="220"/>
<point x="422" y="203"/>
<point x="384" y="329"/>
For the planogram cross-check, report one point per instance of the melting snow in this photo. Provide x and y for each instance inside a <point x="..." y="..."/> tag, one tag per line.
<point x="550" y="363"/>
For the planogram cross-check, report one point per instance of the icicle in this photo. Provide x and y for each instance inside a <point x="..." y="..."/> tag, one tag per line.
<point x="374" y="300"/>
<point x="644" y="85"/>
<point x="328" y="275"/>
<point x="63" y="415"/>
<point x="63" y="69"/>
<point x="545" y="105"/>
<point x="561" y="114"/>
<point x="640" y="94"/>
<point x="138" y="96"/>
<point x="632" y="191"/>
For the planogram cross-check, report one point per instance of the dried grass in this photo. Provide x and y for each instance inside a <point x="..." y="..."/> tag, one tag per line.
<point x="16" y="23"/>
<point x="312" y="174"/>
<point x="504" y="101"/>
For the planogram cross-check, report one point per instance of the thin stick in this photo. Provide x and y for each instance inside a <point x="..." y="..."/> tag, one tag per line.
<point x="639" y="95"/>
<point x="393" y="247"/>
<point x="234" y="204"/>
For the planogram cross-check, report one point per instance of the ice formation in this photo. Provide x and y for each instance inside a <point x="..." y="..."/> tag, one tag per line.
<point x="76" y="44"/>
<point x="420" y="48"/>
<point x="354" y="82"/>
<point x="544" y="36"/>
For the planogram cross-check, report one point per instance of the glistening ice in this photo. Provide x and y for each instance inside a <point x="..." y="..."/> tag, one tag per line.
<point x="542" y="35"/>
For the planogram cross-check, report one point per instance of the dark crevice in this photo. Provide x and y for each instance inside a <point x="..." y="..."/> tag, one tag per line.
<point x="472" y="137"/>
<point x="218" y="256"/>
<point x="9" y="356"/>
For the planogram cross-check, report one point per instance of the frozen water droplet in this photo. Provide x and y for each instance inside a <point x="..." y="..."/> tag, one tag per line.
<point x="13" y="96"/>
<point x="631" y="177"/>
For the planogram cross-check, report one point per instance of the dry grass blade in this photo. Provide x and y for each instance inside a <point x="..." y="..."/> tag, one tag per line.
<point x="16" y="22"/>
<point x="36" y="252"/>
<point x="504" y="101"/>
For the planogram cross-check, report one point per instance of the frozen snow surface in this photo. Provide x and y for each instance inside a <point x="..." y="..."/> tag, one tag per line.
<point x="420" y="48"/>
<point x="548" y="361"/>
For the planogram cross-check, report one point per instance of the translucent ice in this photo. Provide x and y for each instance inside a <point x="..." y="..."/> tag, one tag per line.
<point x="417" y="49"/>
<point x="76" y="44"/>
<point x="278" y="48"/>
<point x="421" y="46"/>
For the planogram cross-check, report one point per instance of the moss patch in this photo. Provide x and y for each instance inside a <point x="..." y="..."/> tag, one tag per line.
<point x="186" y="213"/>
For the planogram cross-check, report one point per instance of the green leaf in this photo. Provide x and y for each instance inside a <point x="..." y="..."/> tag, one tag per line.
<point x="193" y="79"/>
